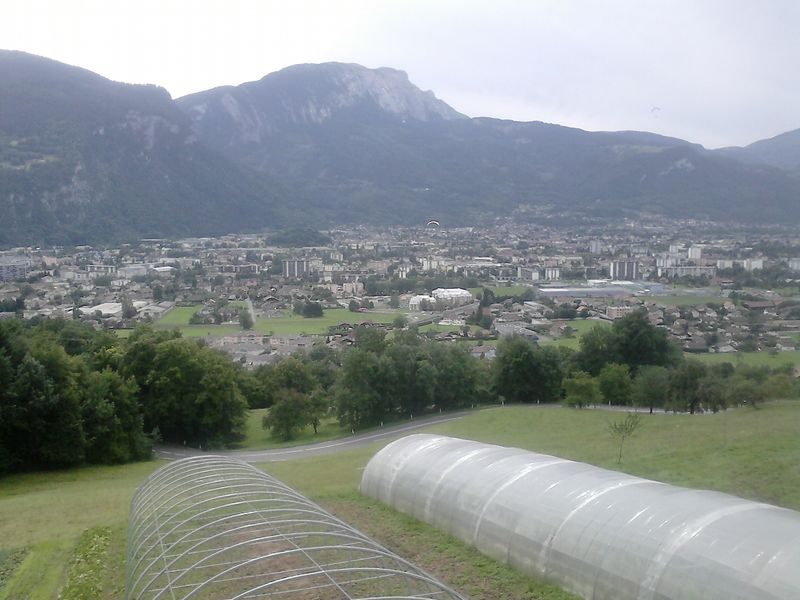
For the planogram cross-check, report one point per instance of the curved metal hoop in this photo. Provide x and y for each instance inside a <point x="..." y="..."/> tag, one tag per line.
<point x="213" y="527"/>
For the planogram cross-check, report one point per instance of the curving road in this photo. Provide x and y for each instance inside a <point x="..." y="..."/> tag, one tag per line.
<point x="338" y="445"/>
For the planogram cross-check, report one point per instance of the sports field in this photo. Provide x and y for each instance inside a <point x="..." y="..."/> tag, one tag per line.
<point x="288" y="324"/>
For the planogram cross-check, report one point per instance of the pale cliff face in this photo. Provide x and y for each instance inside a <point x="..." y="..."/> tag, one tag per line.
<point x="314" y="94"/>
<point x="389" y="89"/>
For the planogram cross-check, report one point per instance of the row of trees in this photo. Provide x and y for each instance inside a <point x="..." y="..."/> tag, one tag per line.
<point x="71" y="395"/>
<point x="380" y="379"/>
<point x="376" y="380"/>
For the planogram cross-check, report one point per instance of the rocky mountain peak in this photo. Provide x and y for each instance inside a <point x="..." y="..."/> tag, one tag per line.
<point x="324" y="89"/>
<point x="311" y="94"/>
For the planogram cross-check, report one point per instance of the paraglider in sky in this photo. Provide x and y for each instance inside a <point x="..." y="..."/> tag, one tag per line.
<point x="433" y="224"/>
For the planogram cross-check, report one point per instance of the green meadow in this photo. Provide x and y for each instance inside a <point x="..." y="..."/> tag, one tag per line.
<point x="64" y="532"/>
<point x="683" y="300"/>
<point x="258" y="438"/>
<point x="291" y="323"/>
<point x="288" y="324"/>
<point x="755" y="359"/>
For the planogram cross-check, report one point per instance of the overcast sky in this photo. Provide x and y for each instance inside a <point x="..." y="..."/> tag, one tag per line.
<point x="716" y="72"/>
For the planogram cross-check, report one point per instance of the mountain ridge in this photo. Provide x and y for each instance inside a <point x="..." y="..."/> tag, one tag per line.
<point x="84" y="158"/>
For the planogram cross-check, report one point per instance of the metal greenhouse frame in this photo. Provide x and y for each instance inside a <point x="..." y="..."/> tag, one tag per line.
<point x="213" y="527"/>
<point x="602" y="534"/>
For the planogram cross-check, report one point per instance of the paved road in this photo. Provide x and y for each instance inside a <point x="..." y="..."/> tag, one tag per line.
<point x="351" y="442"/>
<point x="338" y="445"/>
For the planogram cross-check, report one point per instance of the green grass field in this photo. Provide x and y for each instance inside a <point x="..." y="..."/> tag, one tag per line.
<point x="683" y="300"/>
<point x="179" y="315"/>
<point x="178" y="318"/>
<point x="752" y="453"/>
<point x="290" y="324"/>
<point x="258" y="438"/>
<point x="57" y="515"/>
<point x="296" y="324"/>
<point x="47" y="513"/>
<point x="756" y="359"/>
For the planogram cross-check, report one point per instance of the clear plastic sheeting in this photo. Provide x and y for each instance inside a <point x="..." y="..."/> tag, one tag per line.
<point x="212" y="527"/>
<point x="598" y="533"/>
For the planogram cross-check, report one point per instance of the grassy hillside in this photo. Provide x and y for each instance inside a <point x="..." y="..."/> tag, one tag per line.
<point x="64" y="520"/>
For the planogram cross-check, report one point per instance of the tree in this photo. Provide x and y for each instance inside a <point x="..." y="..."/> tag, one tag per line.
<point x="317" y="407"/>
<point x="412" y="378"/>
<point x="637" y="342"/>
<point x="631" y="341"/>
<point x="394" y="301"/>
<point x="744" y="391"/>
<point x="459" y="376"/>
<point x="191" y="395"/>
<point x="651" y="387"/>
<point x="288" y="415"/>
<point x="290" y="373"/>
<point x="615" y="384"/>
<point x="312" y="310"/>
<point x="684" y="386"/>
<point x="370" y="339"/>
<point x="128" y="310"/>
<point x="712" y="393"/>
<point x="112" y="419"/>
<point x="524" y="372"/>
<point x="621" y="430"/>
<point x="399" y="322"/>
<point x="566" y="311"/>
<point x="581" y="389"/>
<point x="361" y="393"/>
<point x="246" y="319"/>
<point x="46" y="413"/>
<point x="353" y="306"/>
<point x="487" y="297"/>
<point x="598" y="346"/>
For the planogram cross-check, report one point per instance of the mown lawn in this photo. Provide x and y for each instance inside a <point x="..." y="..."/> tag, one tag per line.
<point x="751" y="453"/>
<point x="258" y="438"/>
<point x="754" y="453"/>
<point x="44" y="515"/>
<point x="178" y="315"/>
<point x="289" y="324"/>
<point x="683" y="300"/>
<point x="295" y="324"/>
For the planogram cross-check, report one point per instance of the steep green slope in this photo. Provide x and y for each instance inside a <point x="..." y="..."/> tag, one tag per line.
<point x="85" y="159"/>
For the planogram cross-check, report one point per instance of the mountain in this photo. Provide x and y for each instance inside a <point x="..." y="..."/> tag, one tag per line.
<point x="86" y="159"/>
<point x="781" y="151"/>
<point x="367" y="145"/>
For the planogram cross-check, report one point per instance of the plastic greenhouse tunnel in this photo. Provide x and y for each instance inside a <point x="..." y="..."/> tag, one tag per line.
<point x="211" y="527"/>
<point x="601" y="534"/>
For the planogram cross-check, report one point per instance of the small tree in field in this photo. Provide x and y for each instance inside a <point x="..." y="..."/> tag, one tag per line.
<point x="245" y="319"/>
<point x="621" y="430"/>
<point x="581" y="390"/>
<point x="287" y="417"/>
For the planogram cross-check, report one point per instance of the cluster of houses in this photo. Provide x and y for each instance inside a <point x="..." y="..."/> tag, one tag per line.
<point x="599" y="272"/>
